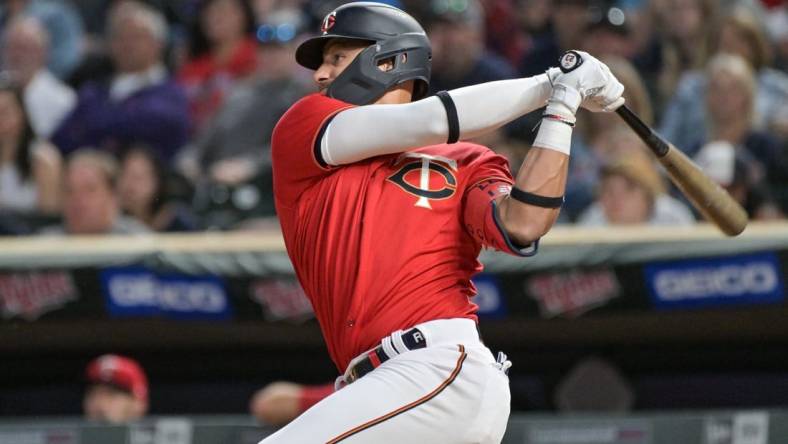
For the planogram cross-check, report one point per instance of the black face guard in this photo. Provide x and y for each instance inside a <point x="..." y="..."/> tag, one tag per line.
<point x="363" y="82"/>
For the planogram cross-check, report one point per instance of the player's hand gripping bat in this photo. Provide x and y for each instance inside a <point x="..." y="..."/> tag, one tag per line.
<point x="707" y="196"/>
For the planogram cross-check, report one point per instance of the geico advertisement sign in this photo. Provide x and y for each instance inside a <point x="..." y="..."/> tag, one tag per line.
<point x="140" y="292"/>
<point x="745" y="279"/>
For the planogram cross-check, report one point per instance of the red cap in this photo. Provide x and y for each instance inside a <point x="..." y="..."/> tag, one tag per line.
<point x="121" y="372"/>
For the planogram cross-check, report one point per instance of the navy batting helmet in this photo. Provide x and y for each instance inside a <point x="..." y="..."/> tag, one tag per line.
<point x="392" y="35"/>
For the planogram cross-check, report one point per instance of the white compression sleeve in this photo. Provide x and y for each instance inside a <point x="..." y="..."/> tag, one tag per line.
<point x="366" y="131"/>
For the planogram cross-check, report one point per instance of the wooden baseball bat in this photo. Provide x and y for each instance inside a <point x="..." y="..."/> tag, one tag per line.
<point x="707" y="196"/>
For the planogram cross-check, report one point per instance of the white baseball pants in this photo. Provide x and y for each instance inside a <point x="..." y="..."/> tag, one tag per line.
<point x="453" y="392"/>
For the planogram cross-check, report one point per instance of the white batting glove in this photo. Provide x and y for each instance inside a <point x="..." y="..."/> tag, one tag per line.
<point x="608" y="98"/>
<point x="584" y="81"/>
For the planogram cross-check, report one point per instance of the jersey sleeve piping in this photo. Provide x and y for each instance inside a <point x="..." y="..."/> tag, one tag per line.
<point x="527" y="251"/>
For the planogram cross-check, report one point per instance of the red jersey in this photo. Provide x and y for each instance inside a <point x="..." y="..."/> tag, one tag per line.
<point x="381" y="244"/>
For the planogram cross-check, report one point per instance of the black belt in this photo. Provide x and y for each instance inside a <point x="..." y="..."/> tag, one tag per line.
<point x="413" y="339"/>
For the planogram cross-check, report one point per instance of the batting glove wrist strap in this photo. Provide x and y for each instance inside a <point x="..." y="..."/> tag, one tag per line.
<point x="552" y="75"/>
<point x="562" y="119"/>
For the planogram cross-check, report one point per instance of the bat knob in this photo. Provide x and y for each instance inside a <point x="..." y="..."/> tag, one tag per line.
<point x="570" y="61"/>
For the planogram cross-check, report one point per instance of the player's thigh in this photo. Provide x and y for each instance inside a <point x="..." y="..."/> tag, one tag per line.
<point x="433" y="395"/>
<point x="495" y="406"/>
<point x="472" y="408"/>
<point x="487" y="415"/>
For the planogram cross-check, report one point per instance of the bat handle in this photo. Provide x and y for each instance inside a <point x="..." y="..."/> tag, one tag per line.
<point x="653" y="140"/>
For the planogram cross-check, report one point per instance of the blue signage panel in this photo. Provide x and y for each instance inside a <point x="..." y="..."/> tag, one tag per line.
<point x="489" y="298"/>
<point x="138" y="292"/>
<point x="734" y="280"/>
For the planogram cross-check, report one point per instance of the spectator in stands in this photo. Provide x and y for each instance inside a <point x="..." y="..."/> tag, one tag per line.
<point x="90" y="205"/>
<point x="30" y="168"/>
<point x="280" y="402"/>
<point x="534" y="15"/>
<point x="63" y="26"/>
<point x="140" y="103"/>
<point x="241" y="131"/>
<point x="94" y="12"/>
<point x="777" y="25"/>
<point x="510" y="26"/>
<point x="47" y="99"/>
<point x="742" y="33"/>
<point x="730" y="109"/>
<point x="609" y="33"/>
<point x="741" y="176"/>
<point x="117" y="390"/>
<point x="569" y="19"/>
<point x="631" y="191"/>
<point x="459" y="55"/>
<point x="679" y="44"/>
<point x="222" y="51"/>
<point x="142" y="192"/>
<point x="684" y="121"/>
<point x="234" y="148"/>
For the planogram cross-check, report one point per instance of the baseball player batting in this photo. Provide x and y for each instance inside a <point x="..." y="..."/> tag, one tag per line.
<point x="384" y="211"/>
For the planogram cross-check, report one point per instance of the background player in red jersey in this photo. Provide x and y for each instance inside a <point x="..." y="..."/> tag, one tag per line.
<point x="117" y="390"/>
<point x="384" y="213"/>
<point x="280" y="402"/>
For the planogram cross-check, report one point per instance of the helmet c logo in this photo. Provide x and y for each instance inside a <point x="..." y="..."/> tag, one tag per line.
<point x="329" y="22"/>
<point x="427" y="164"/>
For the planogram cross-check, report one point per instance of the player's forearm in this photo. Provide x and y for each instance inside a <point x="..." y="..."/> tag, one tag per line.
<point x="374" y="130"/>
<point x="532" y="207"/>
<point x="543" y="173"/>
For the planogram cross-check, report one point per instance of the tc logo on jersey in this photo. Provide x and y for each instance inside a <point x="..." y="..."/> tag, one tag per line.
<point x="328" y="22"/>
<point x="426" y="177"/>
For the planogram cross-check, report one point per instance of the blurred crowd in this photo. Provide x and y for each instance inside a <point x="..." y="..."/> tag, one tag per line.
<point x="132" y="116"/>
